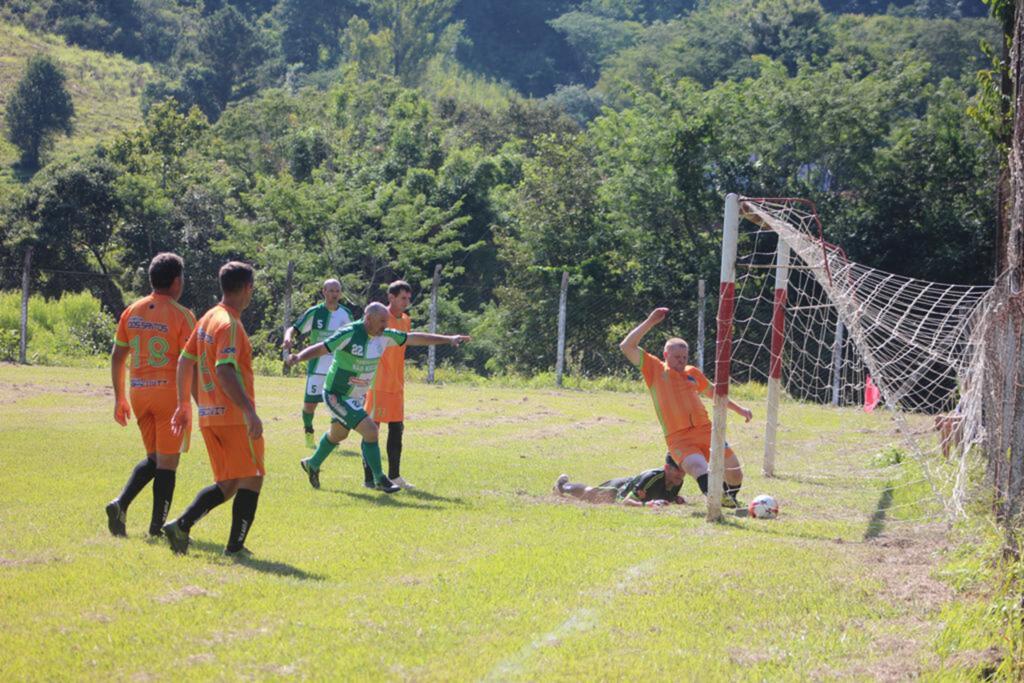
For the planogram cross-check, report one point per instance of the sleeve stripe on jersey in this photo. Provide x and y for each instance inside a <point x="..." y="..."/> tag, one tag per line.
<point x="186" y="354"/>
<point x="118" y="342"/>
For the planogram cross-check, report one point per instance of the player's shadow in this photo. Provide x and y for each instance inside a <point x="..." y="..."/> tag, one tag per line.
<point x="385" y="500"/>
<point x="420" y="494"/>
<point x="876" y="525"/>
<point x="260" y="565"/>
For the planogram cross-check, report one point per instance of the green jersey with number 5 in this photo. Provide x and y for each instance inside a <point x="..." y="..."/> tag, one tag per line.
<point x="320" y="322"/>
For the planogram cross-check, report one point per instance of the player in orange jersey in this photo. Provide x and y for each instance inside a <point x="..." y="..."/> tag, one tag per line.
<point x="152" y="332"/>
<point x="386" y="401"/>
<point x="231" y="429"/>
<point x="676" y="388"/>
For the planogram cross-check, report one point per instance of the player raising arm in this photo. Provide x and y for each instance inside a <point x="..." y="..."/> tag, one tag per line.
<point x="676" y="388"/>
<point x="357" y="349"/>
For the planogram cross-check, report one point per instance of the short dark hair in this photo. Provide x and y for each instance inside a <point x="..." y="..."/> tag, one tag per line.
<point x="399" y="286"/>
<point x="164" y="267"/>
<point x="671" y="462"/>
<point x="234" y="275"/>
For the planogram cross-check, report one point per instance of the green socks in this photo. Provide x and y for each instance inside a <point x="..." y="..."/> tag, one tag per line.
<point x="324" y="449"/>
<point x="371" y="456"/>
<point x="307" y="421"/>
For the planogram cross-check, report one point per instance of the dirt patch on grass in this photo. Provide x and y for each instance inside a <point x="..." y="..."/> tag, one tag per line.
<point x="32" y="560"/>
<point x="13" y="392"/>
<point x="902" y="560"/>
<point x="184" y="593"/>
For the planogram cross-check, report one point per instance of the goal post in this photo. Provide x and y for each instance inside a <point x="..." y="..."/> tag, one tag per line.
<point x="798" y="317"/>
<point x="723" y="354"/>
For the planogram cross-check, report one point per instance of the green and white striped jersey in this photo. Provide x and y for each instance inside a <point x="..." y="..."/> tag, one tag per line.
<point x="319" y="322"/>
<point x="355" y="356"/>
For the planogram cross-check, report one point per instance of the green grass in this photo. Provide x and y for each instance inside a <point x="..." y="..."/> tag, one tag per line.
<point x="105" y="89"/>
<point x="482" y="573"/>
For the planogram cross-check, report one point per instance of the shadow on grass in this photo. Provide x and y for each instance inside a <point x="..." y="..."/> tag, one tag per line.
<point x="876" y="525"/>
<point x="420" y="494"/>
<point x="258" y="564"/>
<point x="385" y="500"/>
<point x="800" y="479"/>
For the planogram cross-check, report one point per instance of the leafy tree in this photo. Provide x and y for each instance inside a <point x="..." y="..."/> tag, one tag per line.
<point x="231" y="49"/>
<point x="414" y="31"/>
<point x="310" y="30"/>
<point x="39" y="107"/>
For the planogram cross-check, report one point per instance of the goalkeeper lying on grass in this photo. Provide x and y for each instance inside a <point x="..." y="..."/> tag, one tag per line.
<point x="655" y="488"/>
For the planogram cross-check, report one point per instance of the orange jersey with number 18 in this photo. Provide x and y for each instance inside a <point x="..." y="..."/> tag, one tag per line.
<point x="155" y="328"/>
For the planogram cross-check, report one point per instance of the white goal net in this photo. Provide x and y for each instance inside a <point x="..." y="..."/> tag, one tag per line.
<point x="825" y="329"/>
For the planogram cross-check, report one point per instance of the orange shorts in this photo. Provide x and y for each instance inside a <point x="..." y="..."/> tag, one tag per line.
<point x="233" y="455"/>
<point x="691" y="441"/>
<point x="386" y="406"/>
<point x="153" y="408"/>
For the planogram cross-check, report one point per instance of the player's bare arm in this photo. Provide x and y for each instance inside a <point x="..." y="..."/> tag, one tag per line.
<point x="630" y="346"/>
<point x="289" y="339"/>
<point x="427" y="339"/>
<point x="735" y="407"/>
<point x="227" y="377"/>
<point x="186" y="382"/>
<point x="308" y="353"/>
<point x="118" y="359"/>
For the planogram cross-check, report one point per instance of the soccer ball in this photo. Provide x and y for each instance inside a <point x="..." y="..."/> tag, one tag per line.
<point x="763" y="507"/>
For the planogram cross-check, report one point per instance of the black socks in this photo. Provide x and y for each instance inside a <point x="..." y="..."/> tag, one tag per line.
<point x="163" y="494"/>
<point x="243" y="511"/>
<point x="702" y="482"/>
<point x="206" y="500"/>
<point x="395" y="430"/>
<point x="141" y="475"/>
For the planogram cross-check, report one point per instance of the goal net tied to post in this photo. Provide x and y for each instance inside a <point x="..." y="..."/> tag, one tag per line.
<point x="820" y="329"/>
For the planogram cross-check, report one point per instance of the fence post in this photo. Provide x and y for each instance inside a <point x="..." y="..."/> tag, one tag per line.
<point x="25" y="279"/>
<point x="562" y="300"/>
<point x="700" y="324"/>
<point x="289" y="275"/>
<point x="723" y="355"/>
<point x="837" y="363"/>
<point x="432" y="350"/>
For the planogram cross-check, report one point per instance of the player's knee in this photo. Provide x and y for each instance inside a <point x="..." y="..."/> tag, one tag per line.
<point x="369" y="430"/>
<point x="695" y="465"/>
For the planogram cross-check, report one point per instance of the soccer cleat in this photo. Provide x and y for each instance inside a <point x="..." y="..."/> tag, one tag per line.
<point x="242" y="553"/>
<point x="729" y="501"/>
<point x="310" y="441"/>
<point x="402" y="483"/>
<point x="177" y="537"/>
<point x="368" y="483"/>
<point x="385" y="485"/>
<point x="562" y="480"/>
<point x="155" y="533"/>
<point x="314" y="475"/>
<point x="116" y="519"/>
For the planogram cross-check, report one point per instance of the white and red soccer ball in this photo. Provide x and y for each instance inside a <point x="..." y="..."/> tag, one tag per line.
<point x="763" y="507"/>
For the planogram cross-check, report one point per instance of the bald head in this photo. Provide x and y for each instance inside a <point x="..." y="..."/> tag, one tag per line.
<point x="332" y="293"/>
<point x="677" y="353"/>
<point x="375" y="318"/>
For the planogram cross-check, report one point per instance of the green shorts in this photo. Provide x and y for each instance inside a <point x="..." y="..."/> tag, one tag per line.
<point x="348" y="411"/>
<point x="619" y="486"/>
<point x="314" y="388"/>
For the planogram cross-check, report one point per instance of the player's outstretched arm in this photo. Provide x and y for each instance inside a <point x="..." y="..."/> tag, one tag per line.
<point x="118" y="359"/>
<point x="427" y="339"/>
<point x="735" y="407"/>
<point x="289" y="339"/>
<point x="308" y="353"/>
<point x="227" y="377"/>
<point x="630" y="346"/>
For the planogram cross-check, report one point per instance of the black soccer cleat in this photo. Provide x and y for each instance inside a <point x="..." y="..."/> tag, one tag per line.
<point x="242" y="553"/>
<point x="387" y="486"/>
<point x="314" y="475"/>
<point x="115" y="519"/>
<point x="177" y="537"/>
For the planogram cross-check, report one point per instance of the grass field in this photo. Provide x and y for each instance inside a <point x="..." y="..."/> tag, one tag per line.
<point x="480" y="574"/>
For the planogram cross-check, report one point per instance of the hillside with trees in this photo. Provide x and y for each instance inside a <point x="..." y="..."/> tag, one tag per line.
<point x="507" y="142"/>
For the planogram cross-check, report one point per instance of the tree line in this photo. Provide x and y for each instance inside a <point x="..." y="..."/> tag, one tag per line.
<point x="391" y="156"/>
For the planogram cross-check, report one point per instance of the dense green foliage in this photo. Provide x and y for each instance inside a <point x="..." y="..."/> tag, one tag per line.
<point x="364" y="141"/>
